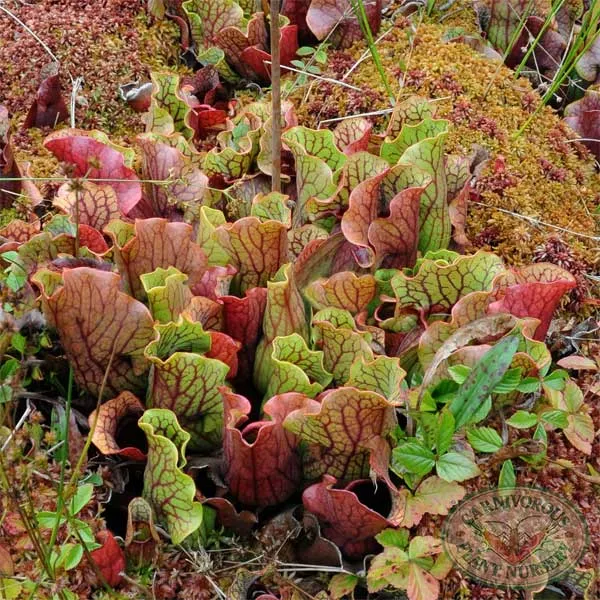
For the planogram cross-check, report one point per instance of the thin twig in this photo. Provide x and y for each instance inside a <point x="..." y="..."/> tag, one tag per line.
<point x="319" y="77"/>
<point x="29" y="31"/>
<point x="535" y="221"/>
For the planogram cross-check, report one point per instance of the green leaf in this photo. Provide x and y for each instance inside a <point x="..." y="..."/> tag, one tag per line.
<point x="509" y="382"/>
<point x="482" y="380"/>
<point x="445" y="432"/>
<point x="529" y="385"/>
<point x="412" y="457"/>
<point x="522" y="420"/>
<point x="395" y="538"/>
<point x="342" y="585"/>
<point x="168" y="490"/>
<point x="68" y="556"/>
<point x="305" y="51"/>
<point x="10" y="589"/>
<point x="507" y="477"/>
<point x="47" y="519"/>
<point x="484" y="439"/>
<point x="556" y="380"/>
<point x="555" y="418"/>
<point x="18" y="342"/>
<point x="454" y="466"/>
<point x="81" y="498"/>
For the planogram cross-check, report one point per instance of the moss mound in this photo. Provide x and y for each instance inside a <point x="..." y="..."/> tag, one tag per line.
<point x="540" y="174"/>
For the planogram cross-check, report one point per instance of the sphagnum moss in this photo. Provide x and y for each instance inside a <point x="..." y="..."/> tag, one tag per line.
<point x="551" y="179"/>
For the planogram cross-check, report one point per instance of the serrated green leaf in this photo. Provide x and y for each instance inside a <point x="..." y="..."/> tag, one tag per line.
<point x="454" y="466"/>
<point x="412" y="457"/>
<point x="522" y="420"/>
<point x="507" y="477"/>
<point x="484" y="439"/>
<point x="555" y="418"/>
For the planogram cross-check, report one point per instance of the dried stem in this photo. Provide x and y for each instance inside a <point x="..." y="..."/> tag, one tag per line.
<point x="275" y="99"/>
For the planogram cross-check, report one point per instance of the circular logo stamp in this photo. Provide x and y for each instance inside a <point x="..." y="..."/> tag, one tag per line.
<point x="515" y="537"/>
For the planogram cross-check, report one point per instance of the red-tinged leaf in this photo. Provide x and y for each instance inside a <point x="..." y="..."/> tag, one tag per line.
<point x="204" y="118"/>
<point x="109" y="559"/>
<point x="263" y="467"/>
<point x="137" y="95"/>
<point x="531" y="291"/>
<point x="242" y="320"/>
<point x="20" y="231"/>
<point x="583" y="117"/>
<point x="433" y="496"/>
<point x="205" y="311"/>
<point x="234" y="41"/>
<point x="215" y="282"/>
<point x="99" y="325"/>
<point x="578" y="363"/>
<point x="142" y="541"/>
<point x="12" y="170"/>
<point x="186" y="382"/>
<point x="7" y="567"/>
<point x="352" y="135"/>
<point x="337" y="433"/>
<point x="345" y="520"/>
<point x="157" y="243"/>
<point x="95" y="160"/>
<point x="161" y="162"/>
<point x="395" y="238"/>
<point x="48" y="108"/>
<point x="112" y="415"/>
<point x="343" y="290"/>
<point x="225" y="349"/>
<point x="91" y="238"/>
<point x="295" y="11"/>
<point x="240" y="523"/>
<point x="458" y="217"/>
<point x="500" y="20"/>
<point x="258" y="60"/>
<point x="258" y="249"/>
<point x="322" y="258"/>
<point x="588" y="66"/>
<point x="327" y="16"/>
<point x="395" y="196"/>
<point x="98" y="204"/>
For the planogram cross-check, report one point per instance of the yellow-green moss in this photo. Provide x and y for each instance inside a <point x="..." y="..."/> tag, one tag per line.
<point x="504" y="103"/>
